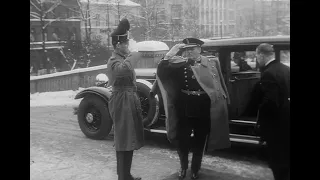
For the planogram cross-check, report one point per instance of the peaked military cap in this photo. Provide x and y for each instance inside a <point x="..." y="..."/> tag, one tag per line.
<point x="121" y="34"/>
<point x="192" y="42"/>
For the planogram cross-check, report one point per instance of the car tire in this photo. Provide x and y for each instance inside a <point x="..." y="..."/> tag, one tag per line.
<point x="94" y="118"/>
<point x="149" y="105"/>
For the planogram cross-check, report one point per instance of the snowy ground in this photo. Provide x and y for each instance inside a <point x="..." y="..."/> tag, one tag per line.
<point x="57" y="98"/>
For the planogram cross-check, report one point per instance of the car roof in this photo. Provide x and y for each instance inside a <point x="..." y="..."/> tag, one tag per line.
<point x="274" y="40"/>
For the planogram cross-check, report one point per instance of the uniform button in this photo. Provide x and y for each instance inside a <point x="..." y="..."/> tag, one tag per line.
<point x="185" y="76"/>
<point x="213" y="66"/>
<point x="214" y="74"/>
<point x="186" y="80"/>
<point x="187" y="85"/>
<point x="185" y="68"/>
<point x="185" y="72"/>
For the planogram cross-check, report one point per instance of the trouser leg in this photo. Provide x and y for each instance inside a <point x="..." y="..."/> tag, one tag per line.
<point x="280" y="173"/>
<point x="200" y="138"/>
<point x="184" y="147"/>
<point x="128" y="162"/>
<point x="120" y="165"/>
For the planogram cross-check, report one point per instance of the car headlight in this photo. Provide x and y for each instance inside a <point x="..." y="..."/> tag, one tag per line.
<point x="101" y="78"/>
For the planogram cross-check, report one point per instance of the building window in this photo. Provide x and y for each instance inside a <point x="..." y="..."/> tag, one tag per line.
<point x="231" y="15"/>
<point x="176" y="10"/>
<point x="162" y="14"/>
<point x="107" y="19"/>
<point x="56" y="34"/>
<point x="97" y="19"/>
<point x="231" y="29"/>
<point x="75" y="12"/>
<point x="32" y="35"/>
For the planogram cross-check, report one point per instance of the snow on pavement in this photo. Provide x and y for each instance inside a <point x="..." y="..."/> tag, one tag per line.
<point x="57" y="98"/>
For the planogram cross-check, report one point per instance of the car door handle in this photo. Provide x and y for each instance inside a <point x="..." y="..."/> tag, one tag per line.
<point x="232" y="80"/>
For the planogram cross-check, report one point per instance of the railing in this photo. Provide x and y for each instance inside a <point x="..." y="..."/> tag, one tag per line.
<point x="85" y="77"/>
<point x="69" y="80"/>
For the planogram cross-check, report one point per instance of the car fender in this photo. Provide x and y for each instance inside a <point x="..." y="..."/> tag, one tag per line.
<point x="103" y="92"/>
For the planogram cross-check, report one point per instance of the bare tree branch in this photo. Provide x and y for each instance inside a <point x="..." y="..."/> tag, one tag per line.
<point x="35" y="14"/>
<point x="50" y="21"/>
<point x="56" y="4"/>
<point x="35" y="5"/>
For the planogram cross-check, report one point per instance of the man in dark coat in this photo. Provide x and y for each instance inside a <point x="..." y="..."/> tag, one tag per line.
<point x="124" y="105"/>
<point x="274" y="110"/>
<point x="195" y="100"/>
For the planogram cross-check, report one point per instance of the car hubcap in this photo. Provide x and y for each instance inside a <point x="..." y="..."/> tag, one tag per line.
<point x="89" y="118"/>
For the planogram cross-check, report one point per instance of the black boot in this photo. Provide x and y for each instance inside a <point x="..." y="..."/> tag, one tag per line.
<point x="128" y="163"/>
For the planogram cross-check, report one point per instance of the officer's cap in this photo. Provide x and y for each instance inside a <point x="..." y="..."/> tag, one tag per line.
<point x="121" y="34"/>
<point x="192" y="42"/>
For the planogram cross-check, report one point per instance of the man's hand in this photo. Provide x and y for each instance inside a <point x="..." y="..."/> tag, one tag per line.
<point x="173" y="51"/>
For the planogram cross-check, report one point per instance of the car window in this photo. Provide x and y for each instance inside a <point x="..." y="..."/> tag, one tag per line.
<point x="243" y="61"/>
<point x="285" y="57"/>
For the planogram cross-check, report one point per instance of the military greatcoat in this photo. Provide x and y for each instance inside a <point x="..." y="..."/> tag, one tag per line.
<point x="124" y="105"/>
<point x="209" y="76"/>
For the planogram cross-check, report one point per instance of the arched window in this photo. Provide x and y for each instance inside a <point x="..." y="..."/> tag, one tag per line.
<point x="74" y="34"/>
<point x="32" y="35"/>
<point x="56" y="34"/>
<point x="67" y="34"/>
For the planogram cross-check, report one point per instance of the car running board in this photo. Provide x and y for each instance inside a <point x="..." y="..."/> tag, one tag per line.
<point x="233" y="137"/>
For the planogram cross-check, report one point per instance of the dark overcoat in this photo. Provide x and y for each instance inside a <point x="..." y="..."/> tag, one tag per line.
<point x="274" y="111"/>
<point x="124" y="105"/>
<point x="209" y="76"/>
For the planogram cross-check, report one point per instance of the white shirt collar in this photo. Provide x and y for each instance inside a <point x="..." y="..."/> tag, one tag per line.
<point x="269" y="61"/>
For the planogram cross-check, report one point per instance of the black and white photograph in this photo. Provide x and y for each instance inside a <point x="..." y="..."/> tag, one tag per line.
<point x="160" y="89"/>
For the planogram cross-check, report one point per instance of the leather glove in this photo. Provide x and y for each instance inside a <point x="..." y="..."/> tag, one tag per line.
<point x="173" y="51"/>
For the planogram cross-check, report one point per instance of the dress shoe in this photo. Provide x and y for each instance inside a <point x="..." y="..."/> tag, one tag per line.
<point x="194" y="175"/>
<point x="134" y="178"/>
<point x="182" y="174"/>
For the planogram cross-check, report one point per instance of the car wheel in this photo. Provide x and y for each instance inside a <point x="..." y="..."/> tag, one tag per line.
<point x="94" y="118"/>
<point x="149" y="105"/>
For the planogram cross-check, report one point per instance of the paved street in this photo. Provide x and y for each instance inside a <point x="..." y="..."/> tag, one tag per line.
<point x="59" y="150"/>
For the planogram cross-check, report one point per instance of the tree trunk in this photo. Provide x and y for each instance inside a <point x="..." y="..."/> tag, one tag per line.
<point x="89" y="19"/>
<point x="44" y="54"/>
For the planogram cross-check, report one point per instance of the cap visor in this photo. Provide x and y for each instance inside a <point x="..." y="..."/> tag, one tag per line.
<point x="188" y="46"/>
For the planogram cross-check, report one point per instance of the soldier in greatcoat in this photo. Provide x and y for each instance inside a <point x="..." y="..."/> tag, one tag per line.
<point x="195" y="100"/>
<point x="124" y="105"/>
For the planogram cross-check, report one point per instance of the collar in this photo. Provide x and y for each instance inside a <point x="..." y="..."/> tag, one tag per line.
<point x="115" y="53"/>
<point x="269" y="61"/>
<point x="204" y="61"/>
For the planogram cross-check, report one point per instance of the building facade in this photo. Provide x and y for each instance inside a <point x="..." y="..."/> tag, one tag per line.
<point x="53" y="24"/>
<point x="105" y="16"/>
<point x="263" y="17"/>
<point x="65" y="21"/>
<point x="217" y="17"/>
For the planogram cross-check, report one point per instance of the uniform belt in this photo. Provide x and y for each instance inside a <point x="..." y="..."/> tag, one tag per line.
<point x="197" y="93"/>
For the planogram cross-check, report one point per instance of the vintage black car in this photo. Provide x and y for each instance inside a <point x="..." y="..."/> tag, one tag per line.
<point x="95" y="121"/>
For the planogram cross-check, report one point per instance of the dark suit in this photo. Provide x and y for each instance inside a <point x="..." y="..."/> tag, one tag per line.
<point x="274" y="116"/>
